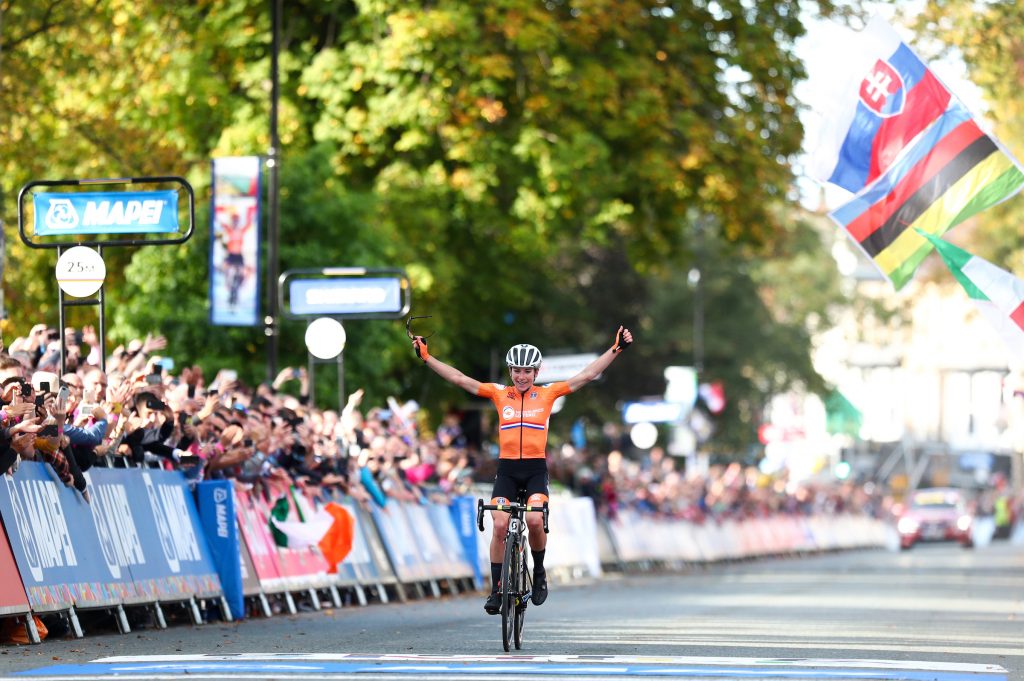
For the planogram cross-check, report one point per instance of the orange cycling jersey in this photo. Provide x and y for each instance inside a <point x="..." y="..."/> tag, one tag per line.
<point x="523" y="417"/>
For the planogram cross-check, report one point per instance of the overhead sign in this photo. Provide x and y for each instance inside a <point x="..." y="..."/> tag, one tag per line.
<point x="564" y="367"/>
<point x="80" y="271"/>
<point x="653" y="412"/>
<point x="69" y="213"/>
<point x="345" y="296"/>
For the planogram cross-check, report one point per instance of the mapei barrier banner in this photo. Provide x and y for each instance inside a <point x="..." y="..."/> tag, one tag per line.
<point x="62" y="558"/>
<point x="152" y="527"/>
<point x="235" y="241"/>
<point x="105" y="212"/>
<point x="216" y="501"/>
<point x="400" y="543"/>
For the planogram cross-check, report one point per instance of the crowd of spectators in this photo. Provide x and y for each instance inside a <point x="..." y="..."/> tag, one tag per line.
<point x="137" y="411"/>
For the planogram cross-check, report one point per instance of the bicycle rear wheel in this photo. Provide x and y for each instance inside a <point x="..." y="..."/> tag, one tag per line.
<point x="521" y="589"/>
<point x="509" y="577"/>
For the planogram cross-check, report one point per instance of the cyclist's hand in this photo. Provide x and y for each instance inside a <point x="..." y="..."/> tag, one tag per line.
<point x="419" y="345"/>
<point x="623" y="339"/>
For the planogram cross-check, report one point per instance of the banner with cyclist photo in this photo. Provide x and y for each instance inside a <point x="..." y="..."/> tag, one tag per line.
<point x="235" y="241"/>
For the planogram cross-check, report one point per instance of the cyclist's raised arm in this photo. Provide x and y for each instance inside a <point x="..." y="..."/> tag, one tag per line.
<point x="445" y="371"/>
<point x="623" y="339"/>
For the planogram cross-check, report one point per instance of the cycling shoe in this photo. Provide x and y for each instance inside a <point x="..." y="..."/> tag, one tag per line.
<point x="493" y="604"/>
<point x="540" y="588"/>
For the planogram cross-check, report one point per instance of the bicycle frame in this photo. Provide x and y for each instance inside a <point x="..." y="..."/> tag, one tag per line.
<point x="516" y="581"/>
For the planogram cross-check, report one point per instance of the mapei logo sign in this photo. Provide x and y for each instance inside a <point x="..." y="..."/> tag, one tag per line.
<point x="106" y="212"/>
<point x="61" y="215"/>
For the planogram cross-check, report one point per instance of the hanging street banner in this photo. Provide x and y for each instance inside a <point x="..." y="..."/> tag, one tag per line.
<point x="69" y="213"/>
<point x="235" y="241"/>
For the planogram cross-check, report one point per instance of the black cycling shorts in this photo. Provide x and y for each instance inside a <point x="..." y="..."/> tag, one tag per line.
<point x="527" y="475"/>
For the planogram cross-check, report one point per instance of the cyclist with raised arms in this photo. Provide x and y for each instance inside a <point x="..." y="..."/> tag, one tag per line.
<point x="523" y="412"/>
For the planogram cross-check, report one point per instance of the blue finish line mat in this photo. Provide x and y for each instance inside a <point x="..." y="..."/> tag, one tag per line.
<point x="295" y="667"/>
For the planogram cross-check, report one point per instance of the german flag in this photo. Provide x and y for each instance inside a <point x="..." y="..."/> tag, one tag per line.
<point x="953" y="172"/>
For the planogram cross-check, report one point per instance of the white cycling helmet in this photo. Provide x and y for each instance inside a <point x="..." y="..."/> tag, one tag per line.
<point x="523" y="355"/>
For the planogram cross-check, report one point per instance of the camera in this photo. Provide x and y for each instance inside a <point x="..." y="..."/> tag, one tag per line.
<point x="154" y="403"/>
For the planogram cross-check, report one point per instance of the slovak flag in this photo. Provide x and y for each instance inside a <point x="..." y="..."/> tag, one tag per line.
<point x="887" y="97"/>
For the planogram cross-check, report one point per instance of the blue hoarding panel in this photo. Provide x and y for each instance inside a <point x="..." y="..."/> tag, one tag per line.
<point x="463" y="511"/>
<point x="216" y="500"/>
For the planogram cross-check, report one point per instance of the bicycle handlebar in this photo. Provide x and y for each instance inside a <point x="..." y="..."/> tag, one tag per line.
<point x="512" y="508"/>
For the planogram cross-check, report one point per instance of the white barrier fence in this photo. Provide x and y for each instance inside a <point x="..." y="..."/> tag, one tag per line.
<point x="581" y="544"/>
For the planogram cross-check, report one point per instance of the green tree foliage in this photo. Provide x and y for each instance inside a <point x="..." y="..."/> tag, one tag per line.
<point x="536" y="168"/>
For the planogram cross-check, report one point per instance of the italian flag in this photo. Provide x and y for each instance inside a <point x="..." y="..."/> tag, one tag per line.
<point x="998" y="295"/>
<point x="331" y="529"/>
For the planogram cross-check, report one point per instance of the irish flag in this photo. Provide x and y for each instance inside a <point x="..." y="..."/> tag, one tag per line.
<point x="998" y="295"/>
<point x="330" y="529"/>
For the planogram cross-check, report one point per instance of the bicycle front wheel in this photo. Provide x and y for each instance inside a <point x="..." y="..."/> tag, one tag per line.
<point x="509" y="577"/>
<point x="521" y="589"/>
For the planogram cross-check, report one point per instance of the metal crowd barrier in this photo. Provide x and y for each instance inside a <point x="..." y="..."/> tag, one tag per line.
<point x="148" y="539"/>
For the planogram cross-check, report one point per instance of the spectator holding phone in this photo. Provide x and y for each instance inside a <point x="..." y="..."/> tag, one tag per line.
<point x="150" y="424"/>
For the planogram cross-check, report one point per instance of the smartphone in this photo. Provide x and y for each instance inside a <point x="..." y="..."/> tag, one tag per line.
<point x="62" y="399"/>
<point x="154" y="379"/>
<point x="247" y="442"/>
<point x="26" y="388"/>
<point x="229" y="375"/>
<point x="167" y="363"/>
<point x="44" y="386"/>
<point x="296" y="373"/>
<point x="49" y="431"/>
<point x="182" y="418"/>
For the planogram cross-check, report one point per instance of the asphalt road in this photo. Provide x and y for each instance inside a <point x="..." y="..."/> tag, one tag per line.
<point x="936" y="612"/>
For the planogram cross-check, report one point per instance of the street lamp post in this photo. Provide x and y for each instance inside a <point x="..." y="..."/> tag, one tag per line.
<point x="273" y="190"/>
